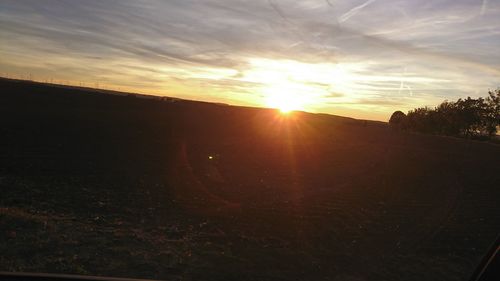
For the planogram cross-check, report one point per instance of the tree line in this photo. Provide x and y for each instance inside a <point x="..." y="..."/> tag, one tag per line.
<point x="468" y="118"/>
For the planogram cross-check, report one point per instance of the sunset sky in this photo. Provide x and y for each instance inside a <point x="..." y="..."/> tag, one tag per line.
<point x="362" y="59"/>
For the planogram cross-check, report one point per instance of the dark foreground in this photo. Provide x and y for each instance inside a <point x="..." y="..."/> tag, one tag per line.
<point x="123" y="186"/>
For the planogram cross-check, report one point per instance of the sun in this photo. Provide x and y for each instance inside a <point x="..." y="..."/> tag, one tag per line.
<point x="283" y="103"/>
<point x="290" y="85"/>
<point x="285" y="109"/>
<point x="285" y="97"/>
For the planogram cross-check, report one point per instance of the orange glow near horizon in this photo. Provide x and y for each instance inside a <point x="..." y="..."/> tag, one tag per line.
<point x="283" y="84"/>
<point x="290" y="85"/>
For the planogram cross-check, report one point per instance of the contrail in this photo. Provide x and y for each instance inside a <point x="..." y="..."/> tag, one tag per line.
<point x="484" y="6"/>
<point x="401" y="85"/>
<point x="303" y="38"/>
<point x="354" y="11"/>
<point x="277" y="10"/>
<point x="409" y="89"/>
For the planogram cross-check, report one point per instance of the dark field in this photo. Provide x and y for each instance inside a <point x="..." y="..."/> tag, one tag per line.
<point x="123" y="186"/>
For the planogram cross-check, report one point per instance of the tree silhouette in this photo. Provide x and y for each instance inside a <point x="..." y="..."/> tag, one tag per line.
<point x="492" y="120"/>
<point x="469" y="118"/>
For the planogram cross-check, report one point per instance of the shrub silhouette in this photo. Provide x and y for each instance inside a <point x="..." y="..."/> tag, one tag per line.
<point x="398" y="120"/>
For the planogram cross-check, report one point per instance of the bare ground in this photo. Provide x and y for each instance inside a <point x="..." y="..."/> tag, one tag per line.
<point x="122" y="186"/>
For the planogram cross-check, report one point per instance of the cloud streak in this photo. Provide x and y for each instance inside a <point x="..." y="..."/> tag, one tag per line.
<point x="204" y="50"/>
<point x="352" y="12"/>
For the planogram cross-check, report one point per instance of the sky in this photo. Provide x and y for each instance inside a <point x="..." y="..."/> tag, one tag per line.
<point x="363" y="59"/>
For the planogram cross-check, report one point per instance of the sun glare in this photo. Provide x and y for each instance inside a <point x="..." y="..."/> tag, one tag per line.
<point x="284" y="97"/>
<point x="285" y="110"/>
<point x="291" y="85"/>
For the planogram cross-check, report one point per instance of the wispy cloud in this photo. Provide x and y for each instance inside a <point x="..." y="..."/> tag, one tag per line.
<point x="352" y="12"/>
<point x="387" y="50"/>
